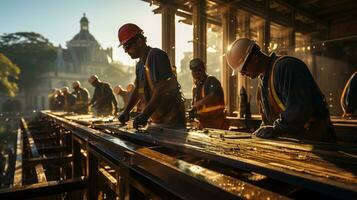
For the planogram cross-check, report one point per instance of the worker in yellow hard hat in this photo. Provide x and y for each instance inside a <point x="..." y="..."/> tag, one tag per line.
<point x="290" y="100"/>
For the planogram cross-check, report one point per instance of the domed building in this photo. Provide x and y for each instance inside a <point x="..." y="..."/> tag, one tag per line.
<point x="82" y="57"/>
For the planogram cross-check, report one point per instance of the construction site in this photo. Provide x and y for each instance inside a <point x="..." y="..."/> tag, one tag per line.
<point x="264" y="107"/>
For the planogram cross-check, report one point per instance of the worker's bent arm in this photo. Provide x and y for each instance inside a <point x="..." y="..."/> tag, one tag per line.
<point x="159" y="90"/>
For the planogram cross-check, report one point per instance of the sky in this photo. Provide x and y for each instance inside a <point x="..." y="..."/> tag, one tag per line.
<point x="58" y="21"/>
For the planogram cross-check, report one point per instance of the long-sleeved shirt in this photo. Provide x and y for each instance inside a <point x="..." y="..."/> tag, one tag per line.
<point x="103" y="99"/>
<point x="82" y="99"/>
<point x="306" y="114"/>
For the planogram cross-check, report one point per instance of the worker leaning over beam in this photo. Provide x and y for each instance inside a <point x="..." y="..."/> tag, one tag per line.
<point x="349" y="97"/>
<point x="208" y="98"/>
<point x="103" y="99"/>
<point x="52" y="102"/>
<point x="68" y="99"/>
<point x="124" y="93"/>
<point x="154" y="81"/>
<point x="82" y="98"/>
<point x="290" y="100"/>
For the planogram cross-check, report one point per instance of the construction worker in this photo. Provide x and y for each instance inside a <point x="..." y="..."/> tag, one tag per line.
<point x="349" y="97"/>
<point x="207" y="98"/>
<point x="82" y="98"/>
<point x="289" y="99"/>
<point x="103" y="99"/>
<point x="154" y="81"/>
<point x="59" y="100"/>
<point x="69" y="100"/>
<point x="124" y="93"/>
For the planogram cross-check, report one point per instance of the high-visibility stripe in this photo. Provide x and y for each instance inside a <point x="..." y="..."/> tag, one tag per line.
<point x="210" y="109"/>
<point x="206" y="109"/>
<point x="272" y="88"/>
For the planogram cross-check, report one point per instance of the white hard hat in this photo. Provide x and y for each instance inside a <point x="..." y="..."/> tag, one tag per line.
<point x="92" y="78"/>
<point x="238" y="53"/>
<point x="76" y="84"/>
<point x="65" y="89"/>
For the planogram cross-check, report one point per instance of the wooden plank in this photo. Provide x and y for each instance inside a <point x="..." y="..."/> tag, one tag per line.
<point x="44" y="188"/>
<point x="18" y="165"/>
<point x="40" y="172"/>
<point x="46" y="160"/>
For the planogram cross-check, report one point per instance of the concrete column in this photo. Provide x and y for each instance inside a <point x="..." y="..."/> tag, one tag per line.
<point x="229" y="24"/>
<point x="168" y="31"/>
<point x="199" y="29"/>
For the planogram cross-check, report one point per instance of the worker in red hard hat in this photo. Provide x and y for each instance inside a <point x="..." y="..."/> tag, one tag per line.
<point x="154" y="81"/>
<point x="207" y="98"/>
<point x="290" y="100"/>
<point x="103" y="99"/>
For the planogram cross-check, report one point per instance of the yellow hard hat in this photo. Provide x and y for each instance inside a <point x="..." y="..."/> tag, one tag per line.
<point x="238" y="53"/>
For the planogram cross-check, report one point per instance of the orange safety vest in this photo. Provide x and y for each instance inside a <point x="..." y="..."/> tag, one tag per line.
<point x="212" y="116"/>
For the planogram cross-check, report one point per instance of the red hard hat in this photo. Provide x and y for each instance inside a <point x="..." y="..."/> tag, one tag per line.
<point x="128" y="31"/>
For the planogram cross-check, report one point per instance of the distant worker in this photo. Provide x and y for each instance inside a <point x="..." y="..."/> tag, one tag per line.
<point x="69" y="100"/>
<point x="59" y="100"/>
<point x="103" y="99"/>
<point x="349" y="97"/>
<point x="123" y="93"/>
<point x="155" y="81"/>
<point x="207" y="98"/>
<point x="82" y="98"/>
<point x="290" y="100"/>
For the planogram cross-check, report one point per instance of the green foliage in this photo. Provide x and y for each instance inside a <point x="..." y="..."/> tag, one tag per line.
<point x="121" y="73"/>
<point x="9" y="73"/>
<point x="32" y="52"/>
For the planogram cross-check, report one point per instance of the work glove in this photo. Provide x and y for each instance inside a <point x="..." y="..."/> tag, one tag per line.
<point x="266" y="132"/>
<point x="140" y="120"/>
<point x="192" y="113"/>
<point x="123" y="117"/>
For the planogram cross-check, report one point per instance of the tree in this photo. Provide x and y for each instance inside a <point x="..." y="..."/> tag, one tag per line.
<point x="32" y="52"/>
<point x="9" y="73"/>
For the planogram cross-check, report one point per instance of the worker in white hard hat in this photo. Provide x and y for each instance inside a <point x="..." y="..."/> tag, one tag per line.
<point x="82" y="98"/>
<point x="103" y="98"/>
<point x="290" y="101"/>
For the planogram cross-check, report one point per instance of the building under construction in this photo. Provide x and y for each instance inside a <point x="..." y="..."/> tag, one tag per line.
<point x="64" y="155"/>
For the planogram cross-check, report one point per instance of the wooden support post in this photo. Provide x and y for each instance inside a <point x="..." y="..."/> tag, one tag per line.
<point x="229" y="22"/>
<point x="76" y="151"/>
<point x="93" y="176"/>
<point x="168" y="31"/>
<point x="41" y="176"/>
<point x="199" y="29"/>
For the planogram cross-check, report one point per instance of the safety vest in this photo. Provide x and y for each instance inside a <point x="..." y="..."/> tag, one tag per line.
<point x="319" y="129"/>
<point x="209" y="109"/>
<point x="172" y="109"/>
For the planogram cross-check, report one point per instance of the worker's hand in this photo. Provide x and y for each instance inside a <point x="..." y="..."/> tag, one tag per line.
<point x="140" y="120"/>
<point x="123" y="117"/>
<point x="192" y="113"/>
<point x="265" y="132"/>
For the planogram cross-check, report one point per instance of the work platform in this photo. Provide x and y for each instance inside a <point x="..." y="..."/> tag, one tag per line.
<point x="104" y="158"/>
